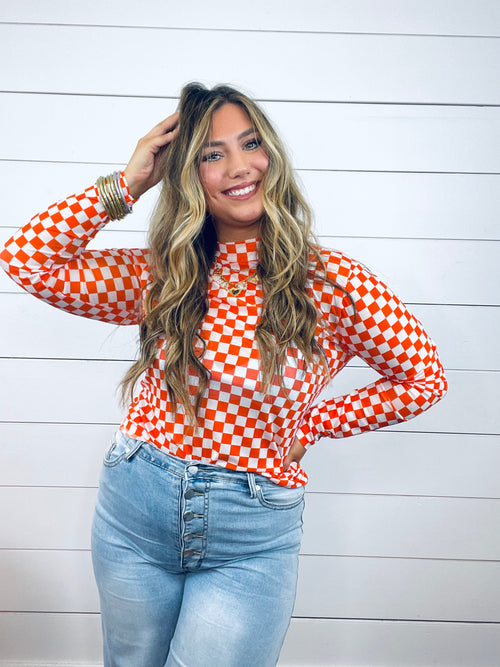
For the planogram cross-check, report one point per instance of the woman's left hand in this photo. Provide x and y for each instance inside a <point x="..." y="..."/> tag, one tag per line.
<point x="296" y="452"/>
<point x="144" y="168"/>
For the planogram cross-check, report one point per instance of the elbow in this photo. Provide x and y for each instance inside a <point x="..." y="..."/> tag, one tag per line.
<point x="417" y="396"/>
<point x="440" y="389"/>
<point x="434" y="380"/>
<point x="443" y="387"/>
<point x="440" y="381"/>
<point x="435" y="388"/>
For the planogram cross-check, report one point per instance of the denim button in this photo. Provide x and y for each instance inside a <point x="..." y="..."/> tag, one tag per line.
<point x="190" y="493"/>
<point x="193" y="469"/>
<point x="191" y="552"/>
<point x="188" y="516"/>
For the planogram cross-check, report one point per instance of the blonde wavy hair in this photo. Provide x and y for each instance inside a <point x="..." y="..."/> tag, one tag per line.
<point x="182" y="242"/>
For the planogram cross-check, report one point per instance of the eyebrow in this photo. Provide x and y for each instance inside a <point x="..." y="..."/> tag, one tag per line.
<point x="245" y="133"/>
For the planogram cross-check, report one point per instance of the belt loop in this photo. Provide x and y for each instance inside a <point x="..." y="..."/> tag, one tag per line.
<point x="251" y="484"/>
<point x="137" y="445"/>
<point x="131" y="445"/>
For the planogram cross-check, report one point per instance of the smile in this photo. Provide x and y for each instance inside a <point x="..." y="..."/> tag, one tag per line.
<point x="242" y="191"/>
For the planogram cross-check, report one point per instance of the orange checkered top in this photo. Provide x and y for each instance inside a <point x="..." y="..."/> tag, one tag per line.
<point x="239" y="427"/>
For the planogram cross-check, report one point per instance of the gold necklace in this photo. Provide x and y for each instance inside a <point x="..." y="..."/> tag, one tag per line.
<point x="234" y="289"/>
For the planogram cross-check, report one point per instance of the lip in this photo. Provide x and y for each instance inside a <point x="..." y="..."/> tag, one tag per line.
<point x="241" y="186"/>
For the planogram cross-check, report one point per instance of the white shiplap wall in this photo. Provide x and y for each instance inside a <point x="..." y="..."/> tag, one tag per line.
<point x="391" y="112"/>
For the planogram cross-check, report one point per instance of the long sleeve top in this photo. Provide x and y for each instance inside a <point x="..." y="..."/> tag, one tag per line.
<point x="239" y="427"/>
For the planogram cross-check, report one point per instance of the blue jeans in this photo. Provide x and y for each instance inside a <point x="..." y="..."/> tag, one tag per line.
<point x="196" y="565"/>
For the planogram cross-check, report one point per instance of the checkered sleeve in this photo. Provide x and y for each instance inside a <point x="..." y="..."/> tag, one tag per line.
<point x="392" y="341"/>
<point x="48" y="258"/>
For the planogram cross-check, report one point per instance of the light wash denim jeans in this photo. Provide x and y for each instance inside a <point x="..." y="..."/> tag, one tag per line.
<point x="196" y="565"/>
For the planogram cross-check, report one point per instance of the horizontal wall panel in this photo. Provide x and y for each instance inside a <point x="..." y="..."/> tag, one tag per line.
<point x="365" y="68"/>
<point x="441" y="17"/>
<point x="403" y="527"/>
<point x="77" y="337"/>
<point x="376" y="588"/>
<point x="62" y="639"/>
<point x="404" y="205"/>
<point x="53" y="454"/>
<point x="83" y="392"/>
<point x="456" y="206"/>
<point x="464" y="335"/>
<point x="436" y="464"/>
<point x="421" y="270"/>
<point x="418" y="270"/>
<point x="359" y="643"/>
<point x="48" y="518"/>
<point x="398" y="588"/>
<point x="382" y="462"/>
<point x="48" y="581"/>
<point x="367" y="137"/>
<point x="334" y="524"/>
<point x="81" y="338"/>
<point x="309" y="642"/>
<point x="391" y="138"/>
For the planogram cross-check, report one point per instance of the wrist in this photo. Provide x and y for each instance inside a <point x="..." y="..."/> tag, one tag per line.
<point x="114" y="195"/>
<point x="130" y="198"/>
<point x="305" y="435"/>
<point x="134" y="187"/>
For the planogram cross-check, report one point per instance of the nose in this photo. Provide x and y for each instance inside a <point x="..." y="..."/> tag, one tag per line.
<point x="238" y="166"/>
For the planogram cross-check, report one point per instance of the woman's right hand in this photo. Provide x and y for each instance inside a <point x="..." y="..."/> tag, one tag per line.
<point x="143" y="170"/>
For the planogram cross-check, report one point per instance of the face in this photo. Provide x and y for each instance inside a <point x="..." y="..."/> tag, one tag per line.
<point x="231" y="171"/>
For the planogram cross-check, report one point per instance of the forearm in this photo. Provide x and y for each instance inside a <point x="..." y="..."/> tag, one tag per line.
<point x="383" y="403"/>
<point x="48" y="258"/>
<point x="53" y="238"/>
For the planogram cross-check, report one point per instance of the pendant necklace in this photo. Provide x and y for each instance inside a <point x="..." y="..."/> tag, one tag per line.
<point x="234" y="289"/>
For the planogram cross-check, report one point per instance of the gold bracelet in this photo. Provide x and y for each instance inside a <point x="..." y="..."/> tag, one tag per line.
<point x="126" y="207"/>
<point x="112" y="197"/>
<point x="113" y="204"/>
<point x="119" y="190"/>
<point x="115" y="200"/>
<point x="104" y="198"/>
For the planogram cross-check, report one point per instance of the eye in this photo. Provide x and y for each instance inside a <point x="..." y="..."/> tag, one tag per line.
<point x="211" y="157"/>
<point x="252" y="144"/>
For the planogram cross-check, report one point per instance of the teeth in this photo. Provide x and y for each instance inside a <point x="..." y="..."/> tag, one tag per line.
<point x="243" y="191"/>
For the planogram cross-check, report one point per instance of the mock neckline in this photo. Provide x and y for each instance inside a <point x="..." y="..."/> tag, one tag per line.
<point x="238" y="254"/>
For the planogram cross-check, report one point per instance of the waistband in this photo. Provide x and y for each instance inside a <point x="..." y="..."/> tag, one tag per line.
<point x="187" y="468"/>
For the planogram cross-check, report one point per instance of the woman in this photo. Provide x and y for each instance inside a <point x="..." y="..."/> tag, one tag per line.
<point x="243" y="321"/>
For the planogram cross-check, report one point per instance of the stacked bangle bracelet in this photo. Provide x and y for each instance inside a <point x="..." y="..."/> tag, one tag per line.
<point x="112" y="196"/>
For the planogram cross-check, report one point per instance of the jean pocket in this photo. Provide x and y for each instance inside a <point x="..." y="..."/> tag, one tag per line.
<point x="278" y="497"/>
<point x="121" y="448"/>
